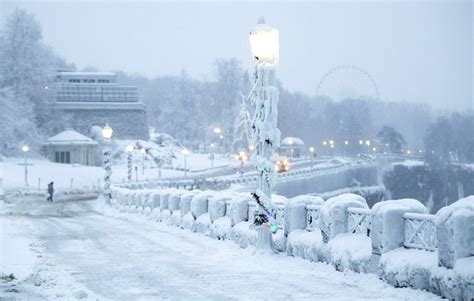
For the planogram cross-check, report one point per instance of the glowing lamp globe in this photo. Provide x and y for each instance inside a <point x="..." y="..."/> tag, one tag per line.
<point x="185" y="152"/>
<point x="25" y="148"/>
<point x="311" y="149"/>
<point x="107" y="131"/>
<point x="129" y="148"/>
<point x="264" y="43"/>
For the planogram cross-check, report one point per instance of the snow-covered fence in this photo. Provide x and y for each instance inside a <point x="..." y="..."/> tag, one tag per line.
<point x="358" y="220"/>
<point x="312" y="217"/>
<point x="420" y="231"/>
<point x="402" y="232"/>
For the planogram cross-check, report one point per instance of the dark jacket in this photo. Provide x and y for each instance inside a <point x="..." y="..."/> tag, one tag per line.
<point x="50" y="188"/>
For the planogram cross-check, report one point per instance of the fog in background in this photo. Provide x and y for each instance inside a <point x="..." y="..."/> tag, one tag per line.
<point x="416" y="51"/>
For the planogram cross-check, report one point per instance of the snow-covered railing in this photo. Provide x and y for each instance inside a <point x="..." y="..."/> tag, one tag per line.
<point x="358" y="221"/>
<point x="420" y="231"/>
<point x="280" y="216"/>
<point x="253" y="210"/>
<point x="312" y="217"/>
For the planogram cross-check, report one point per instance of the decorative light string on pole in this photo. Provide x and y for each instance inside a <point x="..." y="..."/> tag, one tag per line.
<point x="264" y="43"/>
<point x="107" y="134"/>
<point x="129" y="149"/>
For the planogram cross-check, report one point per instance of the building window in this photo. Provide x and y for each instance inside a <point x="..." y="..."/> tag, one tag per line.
<point x="62" y="157"/>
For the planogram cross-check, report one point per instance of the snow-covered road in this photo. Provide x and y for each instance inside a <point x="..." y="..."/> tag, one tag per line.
<point x="86" y="251"/>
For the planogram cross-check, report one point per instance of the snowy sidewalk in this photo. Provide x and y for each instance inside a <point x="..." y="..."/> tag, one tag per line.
<point x="121" y="257"/>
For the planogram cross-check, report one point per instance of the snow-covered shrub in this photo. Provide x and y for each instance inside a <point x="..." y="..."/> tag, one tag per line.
<point x="295" y="212"/>
<point x="455" y="231"/>
<point x="388" y="226"/>
<point x="333" y="216"/>
<point x="187" y="221"/>
<point x="217" y="205"/>
<point x="456" y="283"/>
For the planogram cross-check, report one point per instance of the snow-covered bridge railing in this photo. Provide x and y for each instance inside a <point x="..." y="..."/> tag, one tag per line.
<point x="312" y="217"/>
<point x="334" y="231"/>
<point x="358" y="221"/>
<point x="420" y="231"/>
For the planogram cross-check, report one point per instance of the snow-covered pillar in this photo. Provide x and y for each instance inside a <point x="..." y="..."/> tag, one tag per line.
<point x="455" y="231"/>
<point x="264" y="42"/>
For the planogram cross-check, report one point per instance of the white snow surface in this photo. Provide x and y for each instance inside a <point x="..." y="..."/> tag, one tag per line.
<point x="129" y="257"/>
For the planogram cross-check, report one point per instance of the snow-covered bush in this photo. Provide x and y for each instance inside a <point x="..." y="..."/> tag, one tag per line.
<point x="388" y="224"/>
<point x="455" y="231"/>
<point x="221" y="228"/>
<point x="333" y="216"/>
<point x="350" y="251"/>
<point x="295" y="211"/>
<point x="244" y="234"/>
<point x="202" y="223"/>
<point x="304" y="244"/>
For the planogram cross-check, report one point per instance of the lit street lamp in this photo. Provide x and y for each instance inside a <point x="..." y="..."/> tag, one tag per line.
<point x="367" y="142"/>
<point x="107" y="134"/>
<point x="264" y="43"/>
<point x="25" y="150"/>
<point x="129" y="149"/>
<point x="242" y="157"/>
<point x="185" y="154"/>
<point x="211" y="156"/>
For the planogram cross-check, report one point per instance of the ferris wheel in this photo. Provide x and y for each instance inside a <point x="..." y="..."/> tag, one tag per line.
<point x="347" y="81"/>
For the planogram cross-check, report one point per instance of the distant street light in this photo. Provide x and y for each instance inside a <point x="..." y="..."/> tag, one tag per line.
<point x="242" y="157"/>
<point x="25" y="150"/>
<point x="217" y="130"/>
<point x="129" y="149"/>
<point x="367" y="142"/>
<point x="185" y="154"/>
<point x="107" y="134"/>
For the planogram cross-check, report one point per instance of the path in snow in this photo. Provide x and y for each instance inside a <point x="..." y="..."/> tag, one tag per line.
<point x="125" y="257"/>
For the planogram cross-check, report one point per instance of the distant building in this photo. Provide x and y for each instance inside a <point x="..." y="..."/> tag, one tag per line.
<point x="71" y="147"/>
<point x="95" y="98"/>
<point x="292" y="147"/>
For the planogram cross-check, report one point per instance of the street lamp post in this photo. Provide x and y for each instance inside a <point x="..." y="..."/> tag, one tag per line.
<point x="129" y="149"/>
<point x="107" y="134"/>
<point x="185" y="154"/>
<point x="242" y="157"/>
<point x="311" y="151"/>
<point x="264" y="43"/>
<point x="143" y="152"/>
<point x="25" y="150"/>
<point x="211" y="156"/>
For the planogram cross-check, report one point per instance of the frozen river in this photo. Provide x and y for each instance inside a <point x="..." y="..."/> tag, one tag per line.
<point x="82" y="251"/>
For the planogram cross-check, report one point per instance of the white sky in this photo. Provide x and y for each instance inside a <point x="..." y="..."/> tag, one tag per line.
<point x="415" y="50"/>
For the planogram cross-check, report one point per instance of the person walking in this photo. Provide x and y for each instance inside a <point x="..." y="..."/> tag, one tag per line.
<point x="50" y="191"/>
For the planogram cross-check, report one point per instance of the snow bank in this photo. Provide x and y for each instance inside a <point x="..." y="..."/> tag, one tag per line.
<point x="455" y="231"/>
<point x="295" y="211"/>
<point x="304" y="244"/>
<point x="419" y="269"/>
<point x="350" y="251"/>
<point x="244" y="234"/>
<point x="333" y="216"/>
<point x="221" y="228"/>
<point x="388" y="225"/>
<point x="202" y="224"/>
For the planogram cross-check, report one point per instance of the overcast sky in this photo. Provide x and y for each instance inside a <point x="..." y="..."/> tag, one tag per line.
<point x="414" y="50"/>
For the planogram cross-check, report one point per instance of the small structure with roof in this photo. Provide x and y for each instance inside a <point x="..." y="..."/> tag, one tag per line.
<point x="71" y="147"/>
<point x="292" y="147"/>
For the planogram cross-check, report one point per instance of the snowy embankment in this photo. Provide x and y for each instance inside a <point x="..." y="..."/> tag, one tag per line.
<point x="341" y="242"/>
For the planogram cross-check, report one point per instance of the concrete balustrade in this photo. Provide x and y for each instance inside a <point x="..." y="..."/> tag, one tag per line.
<point x="335" y="231"/>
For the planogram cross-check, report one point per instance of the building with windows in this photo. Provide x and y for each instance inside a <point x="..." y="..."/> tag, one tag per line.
<point x="71" y="147"/>
<point x="95" y="98"/>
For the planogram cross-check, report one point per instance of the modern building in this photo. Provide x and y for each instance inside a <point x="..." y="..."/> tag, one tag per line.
<point x="71" y="147"/>
<point x="95" y="98"/>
